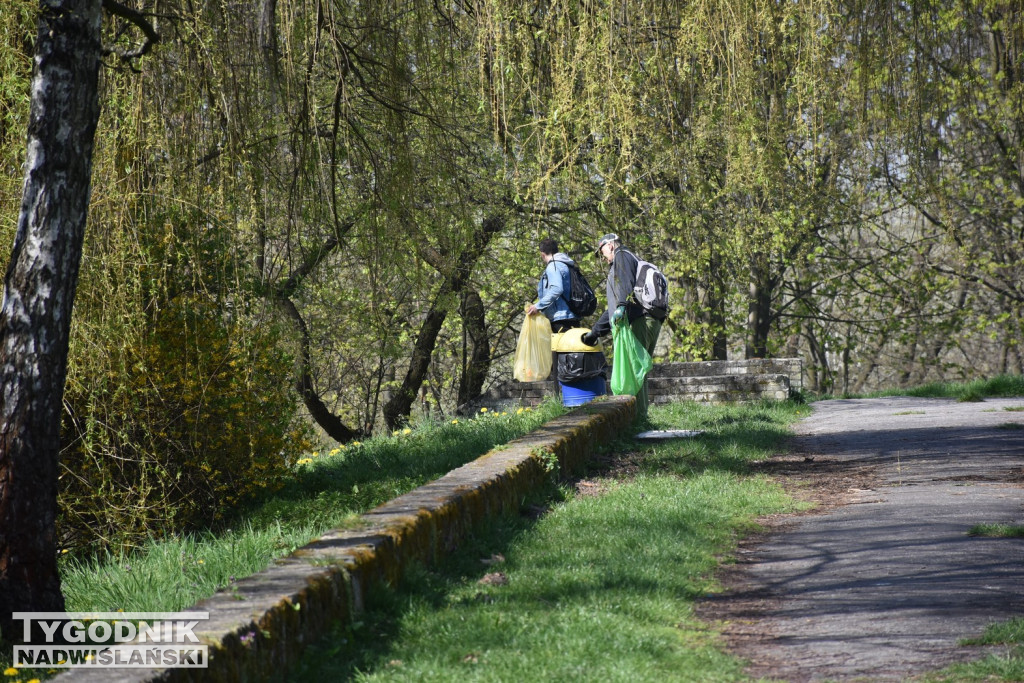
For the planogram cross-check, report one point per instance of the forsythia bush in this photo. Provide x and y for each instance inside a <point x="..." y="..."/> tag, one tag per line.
<point x="179" y="403"/>
<point x="186" y="426"/>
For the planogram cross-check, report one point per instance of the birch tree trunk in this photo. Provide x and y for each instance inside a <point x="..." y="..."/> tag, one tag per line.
<point x="39" y="289"/>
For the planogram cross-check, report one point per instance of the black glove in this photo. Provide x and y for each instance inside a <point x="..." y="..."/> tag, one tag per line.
<point x="589" y="338"/>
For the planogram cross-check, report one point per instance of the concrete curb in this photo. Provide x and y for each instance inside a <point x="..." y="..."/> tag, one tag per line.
<point x="262" y="625"/>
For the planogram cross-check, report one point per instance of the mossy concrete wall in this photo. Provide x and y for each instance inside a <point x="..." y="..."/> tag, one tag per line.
<point x="259" y="628"/>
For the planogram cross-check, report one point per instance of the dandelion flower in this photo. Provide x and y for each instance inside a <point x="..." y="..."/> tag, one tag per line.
<point x="455" y="422"/>
<point x="407" y="431"/>
<point x="484" y="409"/>
<point x="10" y="671"/>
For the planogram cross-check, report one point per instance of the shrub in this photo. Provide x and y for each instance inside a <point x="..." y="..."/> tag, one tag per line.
<point x="177" y="432"/>
<point x="178" y="400"/>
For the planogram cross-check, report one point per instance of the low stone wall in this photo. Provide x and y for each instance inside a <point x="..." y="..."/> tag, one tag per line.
<point x="260" y="627"/>
<point x="708" y="381"/>
<point x="718" y="389"/>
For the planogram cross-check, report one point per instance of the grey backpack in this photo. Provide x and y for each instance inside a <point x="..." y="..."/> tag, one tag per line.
<point x="651" y="288"/>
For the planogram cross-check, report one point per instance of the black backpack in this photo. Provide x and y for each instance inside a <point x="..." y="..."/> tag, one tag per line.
<point x="582" y="300"/>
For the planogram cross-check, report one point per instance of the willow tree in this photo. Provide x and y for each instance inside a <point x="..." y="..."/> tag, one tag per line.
<point x="944" y="89"/>
<point x="704" y="131"/>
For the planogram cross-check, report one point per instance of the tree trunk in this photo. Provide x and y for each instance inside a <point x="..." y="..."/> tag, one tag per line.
<point x="398" y="407"/>
<point x="39" y="290"/>
<point x="318" y="410"/>
<point x="759" y="318"/>
<point x="718" y="320"/>
<point x="475" y="370"/>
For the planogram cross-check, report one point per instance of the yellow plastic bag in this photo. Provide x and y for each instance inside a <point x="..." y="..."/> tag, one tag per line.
<point x="533" y="352"/>
<point x="571" y="341"/>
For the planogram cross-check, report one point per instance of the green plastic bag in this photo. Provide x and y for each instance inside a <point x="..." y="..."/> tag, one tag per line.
<point x="631" y="362"/>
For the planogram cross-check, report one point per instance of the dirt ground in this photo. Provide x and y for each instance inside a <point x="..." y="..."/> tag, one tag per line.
<point x="882" y="579"/>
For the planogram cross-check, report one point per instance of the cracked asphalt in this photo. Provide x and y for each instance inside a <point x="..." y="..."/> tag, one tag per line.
<point x="886" y="581"/>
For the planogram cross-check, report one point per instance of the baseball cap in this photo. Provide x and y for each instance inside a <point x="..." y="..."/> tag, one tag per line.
<point x="610" y="237"/>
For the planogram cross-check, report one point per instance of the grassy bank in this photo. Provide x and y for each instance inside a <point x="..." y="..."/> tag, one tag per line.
<point x="328" y="489"/>
<point x="977" y="390"/>
<point x="602" y="586"/>
<point x="1008" y="666"/>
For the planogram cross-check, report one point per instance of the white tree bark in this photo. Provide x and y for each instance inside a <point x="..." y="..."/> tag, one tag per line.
<point x="39" y="289"/>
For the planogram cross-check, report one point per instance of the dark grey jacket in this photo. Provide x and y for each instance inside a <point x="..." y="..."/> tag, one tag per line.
<point x="619" y="290"/>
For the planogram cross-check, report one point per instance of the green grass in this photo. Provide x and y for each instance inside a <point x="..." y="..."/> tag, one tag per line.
<point x="326" y="492"/>
<point x="994" y="667"/>
<point x="997" y="531"/>
<point x="600" y="588"/>
<point x="977" y="390"/>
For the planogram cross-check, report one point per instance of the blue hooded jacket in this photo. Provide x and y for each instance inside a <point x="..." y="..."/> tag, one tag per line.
<point x="553" y="289"/>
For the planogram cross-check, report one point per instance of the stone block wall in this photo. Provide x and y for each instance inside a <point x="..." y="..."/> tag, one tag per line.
<point x="707" y="381"/>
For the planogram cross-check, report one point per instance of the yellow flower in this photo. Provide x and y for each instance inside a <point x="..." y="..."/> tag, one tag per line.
<point x="484" y="409"/>
<point x="519" y="412"/>
<point x="455" y="422"/>
<point x="407" y="431"/>
<point x="200" y="561"/>
<point x="10" y="671"/>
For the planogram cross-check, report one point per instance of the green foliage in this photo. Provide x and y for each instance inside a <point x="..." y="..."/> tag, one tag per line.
<point x="17" y="27"/>
<point x="178" y="404"/>
<point x="189" y="421"/>
<point x="816" y="179"/>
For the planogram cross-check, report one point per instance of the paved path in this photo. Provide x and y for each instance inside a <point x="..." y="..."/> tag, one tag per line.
<point x="887" y="585"/>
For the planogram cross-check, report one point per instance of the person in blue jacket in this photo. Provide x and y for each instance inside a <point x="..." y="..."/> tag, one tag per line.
<point x="553" y="288"/>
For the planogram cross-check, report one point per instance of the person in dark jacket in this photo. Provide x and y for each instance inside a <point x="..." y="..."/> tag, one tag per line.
<point x="622" y="267"/>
